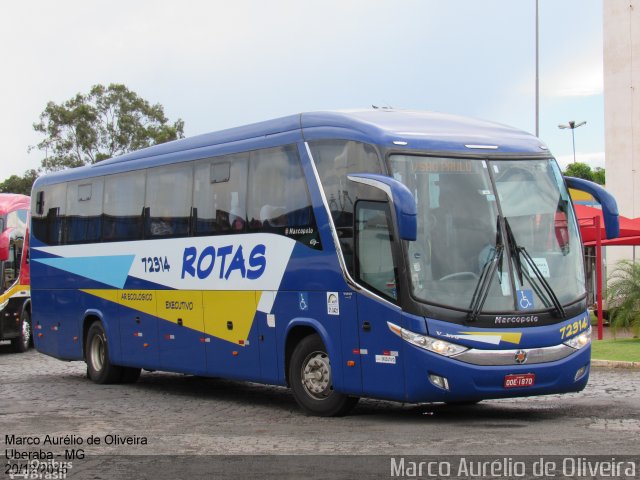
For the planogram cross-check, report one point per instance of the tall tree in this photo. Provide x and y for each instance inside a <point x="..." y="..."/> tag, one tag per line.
<point x="16" y="184"/>
<point x="580" y="170"/>
<point x="106" y="122"/>
<point x="599" y="176"/>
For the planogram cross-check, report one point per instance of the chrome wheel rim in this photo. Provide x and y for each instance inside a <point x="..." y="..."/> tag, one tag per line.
<point x="97" y="352"/>
<point x="26" y="334"/>
<point x="316" y="375"/>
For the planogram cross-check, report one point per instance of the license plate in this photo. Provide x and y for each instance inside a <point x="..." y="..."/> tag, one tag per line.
<point x="519" y="380"/>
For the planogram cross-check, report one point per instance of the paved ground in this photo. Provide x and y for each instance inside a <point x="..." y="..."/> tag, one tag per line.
<point x="185" y="415"/>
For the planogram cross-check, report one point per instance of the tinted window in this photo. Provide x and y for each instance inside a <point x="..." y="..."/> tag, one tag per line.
<point x="279" y="199"/>
<point x="10" y="268"/>
<point x="205" y="197"/>
<point x="123" y="206"/>
<point x="84" y="211"/>
<point x="334" y="160"/>
<point x="168" y="201"/>
<point x="49" y="224"/>
<point x="373" y="252"/>
<point x="219" y="195"/>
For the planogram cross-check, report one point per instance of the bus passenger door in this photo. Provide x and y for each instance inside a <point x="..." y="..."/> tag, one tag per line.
<point x="181" y="331"/>
<point x="8" y="276"/>
<point x="138" y="328"/>
<point x="380" y="348"/>
<point x="232" y="345"/>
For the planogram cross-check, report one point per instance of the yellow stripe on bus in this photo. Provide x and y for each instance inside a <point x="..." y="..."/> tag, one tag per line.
<point x="16" y="290"/>
<point x="221" y="307"/>
<point x="227" y="315"/>
<point x="509" y="337"/>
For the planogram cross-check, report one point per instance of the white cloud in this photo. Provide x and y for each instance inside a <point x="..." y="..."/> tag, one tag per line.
<point x="577" y="79"/>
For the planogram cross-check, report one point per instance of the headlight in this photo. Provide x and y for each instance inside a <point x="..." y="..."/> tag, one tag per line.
<point x="580" y="341"/>
<point x="434" y="345"/>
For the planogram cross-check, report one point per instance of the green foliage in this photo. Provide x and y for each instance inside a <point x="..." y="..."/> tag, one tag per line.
<point x="107" y="122"/>
<point x="623" y="296"/>
<point x="16" y="184"/>
<point x="599" y="176"/>
<point x="624" y="350"/>
<point x="582" y="170"/>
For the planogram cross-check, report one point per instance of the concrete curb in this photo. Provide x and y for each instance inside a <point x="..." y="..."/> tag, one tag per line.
<point x="614" y="364"/>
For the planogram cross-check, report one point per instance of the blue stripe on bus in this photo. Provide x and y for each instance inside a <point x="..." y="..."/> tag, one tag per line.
<point x="111" y="270"/>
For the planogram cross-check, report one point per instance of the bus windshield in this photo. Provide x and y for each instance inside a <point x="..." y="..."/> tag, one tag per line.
<point x="497" y="234"/>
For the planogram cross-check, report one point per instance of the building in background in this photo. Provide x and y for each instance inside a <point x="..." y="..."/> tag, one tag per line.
<point x="621" y="49"/>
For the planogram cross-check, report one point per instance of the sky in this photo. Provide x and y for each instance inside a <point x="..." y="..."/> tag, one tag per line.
<point x="219" y="63"/>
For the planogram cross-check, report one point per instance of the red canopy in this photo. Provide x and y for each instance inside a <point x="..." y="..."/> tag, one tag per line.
<point x="593" y="233"/>
<point x="590" y="218"/>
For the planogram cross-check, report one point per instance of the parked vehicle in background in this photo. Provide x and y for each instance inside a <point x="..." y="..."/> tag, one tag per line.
<point x="15" y="295"/>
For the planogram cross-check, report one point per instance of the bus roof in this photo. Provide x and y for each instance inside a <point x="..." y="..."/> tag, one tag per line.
<point x="10" y="202"/>
<point x="431" y="131"/>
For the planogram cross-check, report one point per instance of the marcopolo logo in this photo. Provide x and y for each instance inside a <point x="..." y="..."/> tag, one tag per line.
<point x="224" y="262"/>
<point x="526" y="319"/>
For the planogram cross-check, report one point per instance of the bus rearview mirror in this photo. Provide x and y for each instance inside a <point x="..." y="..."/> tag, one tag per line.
<point x="402" y="199"/>
<point x="604" y="198"/>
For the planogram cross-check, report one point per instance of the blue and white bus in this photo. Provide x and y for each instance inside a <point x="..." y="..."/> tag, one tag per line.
<point x="409" y="256"/>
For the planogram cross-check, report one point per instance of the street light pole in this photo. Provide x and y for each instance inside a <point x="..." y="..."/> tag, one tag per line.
<point x="573" y="125"/>
<point x="537" y="78"/>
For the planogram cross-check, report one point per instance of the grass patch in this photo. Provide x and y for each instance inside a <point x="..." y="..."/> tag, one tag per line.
<point x="622" y="349"/>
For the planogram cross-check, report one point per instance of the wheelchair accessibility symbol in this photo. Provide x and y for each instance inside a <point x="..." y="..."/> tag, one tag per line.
<point x="303" y="301"/>
<point x="525" y="299"/>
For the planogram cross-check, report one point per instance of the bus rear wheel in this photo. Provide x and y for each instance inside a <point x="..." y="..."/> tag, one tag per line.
<point x="99" y="368"/>
<point x="311" y="381"/>
<point x="21" y="343"/>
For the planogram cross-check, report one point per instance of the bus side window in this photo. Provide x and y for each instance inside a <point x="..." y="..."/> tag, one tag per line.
<point x="374" y="248"/>
<point x="334" y="160"/>
<point x="269" y="183"/>
<point x="279" y="200"/>
<point x="219" y="195"/>
<point x="10" y="268"/>
<point x="123" y="206"/>
<point x="84" y="211"/>
<point x="168" y="200"/>
<point x="48" y="226"/>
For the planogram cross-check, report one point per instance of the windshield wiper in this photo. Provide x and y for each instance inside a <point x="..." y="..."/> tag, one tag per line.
<point x="543" y="284"/>
<point x="484" y="282"/>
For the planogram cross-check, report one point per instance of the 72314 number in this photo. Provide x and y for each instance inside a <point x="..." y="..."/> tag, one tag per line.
<point x="156" y="264"/>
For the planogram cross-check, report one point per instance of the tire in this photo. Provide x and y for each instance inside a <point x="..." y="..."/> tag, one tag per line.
<point x="130" y="374"/>
<point x="99" y="368"/>
<point x="311" y="382"/>
<point x="21" y="344"/>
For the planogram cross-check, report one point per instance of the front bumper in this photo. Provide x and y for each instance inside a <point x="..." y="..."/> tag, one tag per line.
<point x="468" y="382"/>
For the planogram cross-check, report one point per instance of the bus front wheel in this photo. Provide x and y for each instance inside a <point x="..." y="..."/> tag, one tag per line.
<point x="21" y="343"/>
<point x="99" y="368"/>
<point x="311" y="382"/>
